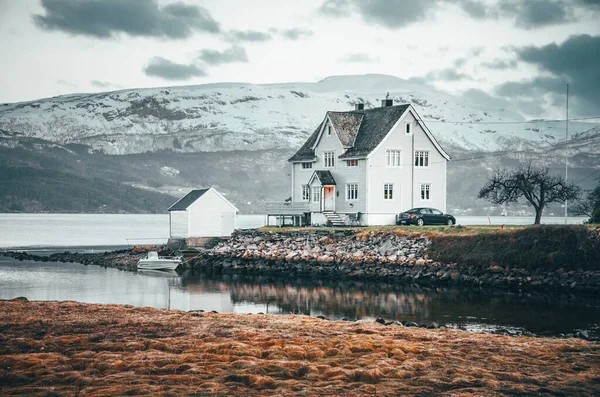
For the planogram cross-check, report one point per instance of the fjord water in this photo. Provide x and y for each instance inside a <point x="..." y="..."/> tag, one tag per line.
<point x="473" y="309"/>
<point x="550" y="314"/>
<point x="93" y="230"/>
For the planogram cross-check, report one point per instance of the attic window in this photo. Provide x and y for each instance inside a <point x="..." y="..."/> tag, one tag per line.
<point x="306" y="165"/>
<point x="328" y="130"/>
<point x="408" y="128"/>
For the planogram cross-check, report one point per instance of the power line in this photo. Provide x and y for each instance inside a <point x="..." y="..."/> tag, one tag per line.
<point x="589" y="176"/>
<point x="512" y="122"/>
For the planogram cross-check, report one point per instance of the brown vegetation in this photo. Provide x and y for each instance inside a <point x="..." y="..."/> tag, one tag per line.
<point x="68" y="348"/>
<point x="543" y="247"/>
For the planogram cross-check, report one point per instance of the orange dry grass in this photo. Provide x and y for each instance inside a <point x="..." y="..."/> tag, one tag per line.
<point x="53" y="348"/>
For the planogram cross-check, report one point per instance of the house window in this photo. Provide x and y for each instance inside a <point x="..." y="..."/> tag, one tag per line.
<point x="328" y="130"/>
<point x="421" y="158"/>
<point x="316" y="195"/>
<point x="392" y="158"/>
<point x="306" y="165"/>
<point x="329" y="159"/>
<point x="352" y="191"/>
<point x="388" y="191"/>
<point x="351" y="163"/>
<point x="305" y="193"/>
<point x="426" y="191"/>
<point x="408" y="128"/>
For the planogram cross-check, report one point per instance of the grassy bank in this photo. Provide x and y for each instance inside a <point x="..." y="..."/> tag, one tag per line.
<point x="67" y="348"/>
<point x="534" y="247"/>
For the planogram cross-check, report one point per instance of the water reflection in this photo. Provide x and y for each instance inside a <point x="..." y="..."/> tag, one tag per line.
<point x="538" y="313"/>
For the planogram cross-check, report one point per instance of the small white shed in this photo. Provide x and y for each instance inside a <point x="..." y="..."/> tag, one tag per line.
<point x="202" y="213"/>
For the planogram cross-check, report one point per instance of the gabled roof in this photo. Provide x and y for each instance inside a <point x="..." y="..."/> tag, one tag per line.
<point x="376" y="124"/>
<point x="324" y="176"/>
<point x="187" y="200"/>
<point x="306" y="152"/>
<point x="361" y="131"/>
<point x="346" y="126"/>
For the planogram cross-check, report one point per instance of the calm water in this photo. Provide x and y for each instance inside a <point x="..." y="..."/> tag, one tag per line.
<point x="71" y="230"/>
<point x="476" y="310"/>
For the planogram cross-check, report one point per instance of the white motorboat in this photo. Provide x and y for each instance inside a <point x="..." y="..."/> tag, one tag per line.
<point x="155" y="262"/>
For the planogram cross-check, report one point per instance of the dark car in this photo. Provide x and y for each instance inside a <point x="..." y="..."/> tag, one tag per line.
<point x="424" y="216"/>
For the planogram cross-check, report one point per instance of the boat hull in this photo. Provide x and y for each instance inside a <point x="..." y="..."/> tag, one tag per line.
<point x="160" y="264"/>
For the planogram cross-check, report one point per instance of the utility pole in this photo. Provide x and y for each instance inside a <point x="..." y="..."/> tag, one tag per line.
<point x="567" y="150"/>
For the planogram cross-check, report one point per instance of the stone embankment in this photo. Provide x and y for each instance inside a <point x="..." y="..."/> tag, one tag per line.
<point x="123" y="259"/>
<point x="393" y="257"/>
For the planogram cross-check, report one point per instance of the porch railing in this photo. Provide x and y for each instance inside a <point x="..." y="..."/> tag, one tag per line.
<point x="283" y="208"/>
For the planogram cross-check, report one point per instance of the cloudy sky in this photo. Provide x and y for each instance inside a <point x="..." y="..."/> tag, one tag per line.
<point x="489" y="50"/>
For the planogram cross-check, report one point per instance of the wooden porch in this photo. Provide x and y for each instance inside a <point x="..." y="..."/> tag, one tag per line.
<point x="297" y="213"/>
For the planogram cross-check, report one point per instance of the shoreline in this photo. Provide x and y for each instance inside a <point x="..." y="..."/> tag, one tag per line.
<point x="389" y="256"/>
<point x="56" y="347"/>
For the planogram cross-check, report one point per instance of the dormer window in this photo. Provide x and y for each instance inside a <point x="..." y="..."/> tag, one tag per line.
<point x="408" y="128"/>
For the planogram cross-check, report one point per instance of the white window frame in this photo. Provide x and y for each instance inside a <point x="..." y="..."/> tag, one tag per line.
<point x="316" y="192"/>
<point x="425" y="192"/>
<point x="348" y="162"/>
<point x="408" y="128"/>
<point x="388" y="189"/>
<point x="352" y="191"/>
<point x="422" y="158"/>
<point x="305" y="193"/>
<point x="331" y="157"/>
<point x="397" y="156"/>
<point x="307" y="165"/>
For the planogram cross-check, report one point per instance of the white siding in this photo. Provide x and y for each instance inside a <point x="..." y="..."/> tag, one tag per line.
<point x="209" y="216"/>
<point x="179" y="224"/>
<point x="340" y="172"/>
<point x="406" y="188"/>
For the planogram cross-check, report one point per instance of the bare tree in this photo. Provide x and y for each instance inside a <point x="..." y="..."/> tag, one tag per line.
<point x="534" y="184"/>
<point x="590" y="205"/>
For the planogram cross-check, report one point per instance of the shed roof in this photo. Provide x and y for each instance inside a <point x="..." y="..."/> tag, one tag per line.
<point x="187" y="200"/>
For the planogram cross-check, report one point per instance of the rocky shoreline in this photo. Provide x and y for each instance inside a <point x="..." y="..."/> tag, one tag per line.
<point x="392" y="256"/>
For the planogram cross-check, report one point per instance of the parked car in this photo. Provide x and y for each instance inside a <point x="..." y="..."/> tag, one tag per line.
<point x="424" y="216"/>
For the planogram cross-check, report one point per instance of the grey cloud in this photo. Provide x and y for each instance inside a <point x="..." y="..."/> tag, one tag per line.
<point x="476" y="9"/>
<point x="248" y="35"/>
<point x="168" y="70"/>
<point x="108" y="18"/>
<point x="233" y="54"/>
<point x="447" y="75"/>
<point x="359" y="57"/>
<point x="296" y="33"/>
<point x="335" y="8"/>
<point x="395" y="14"/>
<point x="500" y="64"/>
<point x="574" y="61"/>
<point x="390" y="13"/>
<point x="533" y="14"/>
<point x="104" y="84"/>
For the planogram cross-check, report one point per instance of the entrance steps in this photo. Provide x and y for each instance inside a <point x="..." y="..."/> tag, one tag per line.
<point x="334" y="218"/>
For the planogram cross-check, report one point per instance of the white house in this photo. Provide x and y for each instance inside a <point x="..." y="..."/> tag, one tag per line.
<point x="378" y="162"/>
<point x="202" y="213"/>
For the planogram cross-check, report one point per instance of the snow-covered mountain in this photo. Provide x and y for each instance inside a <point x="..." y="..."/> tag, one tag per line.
<point x="240" y="116"/>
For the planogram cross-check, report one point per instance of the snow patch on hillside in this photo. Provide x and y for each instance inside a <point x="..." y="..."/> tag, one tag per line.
<point x="240" y="116"/>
